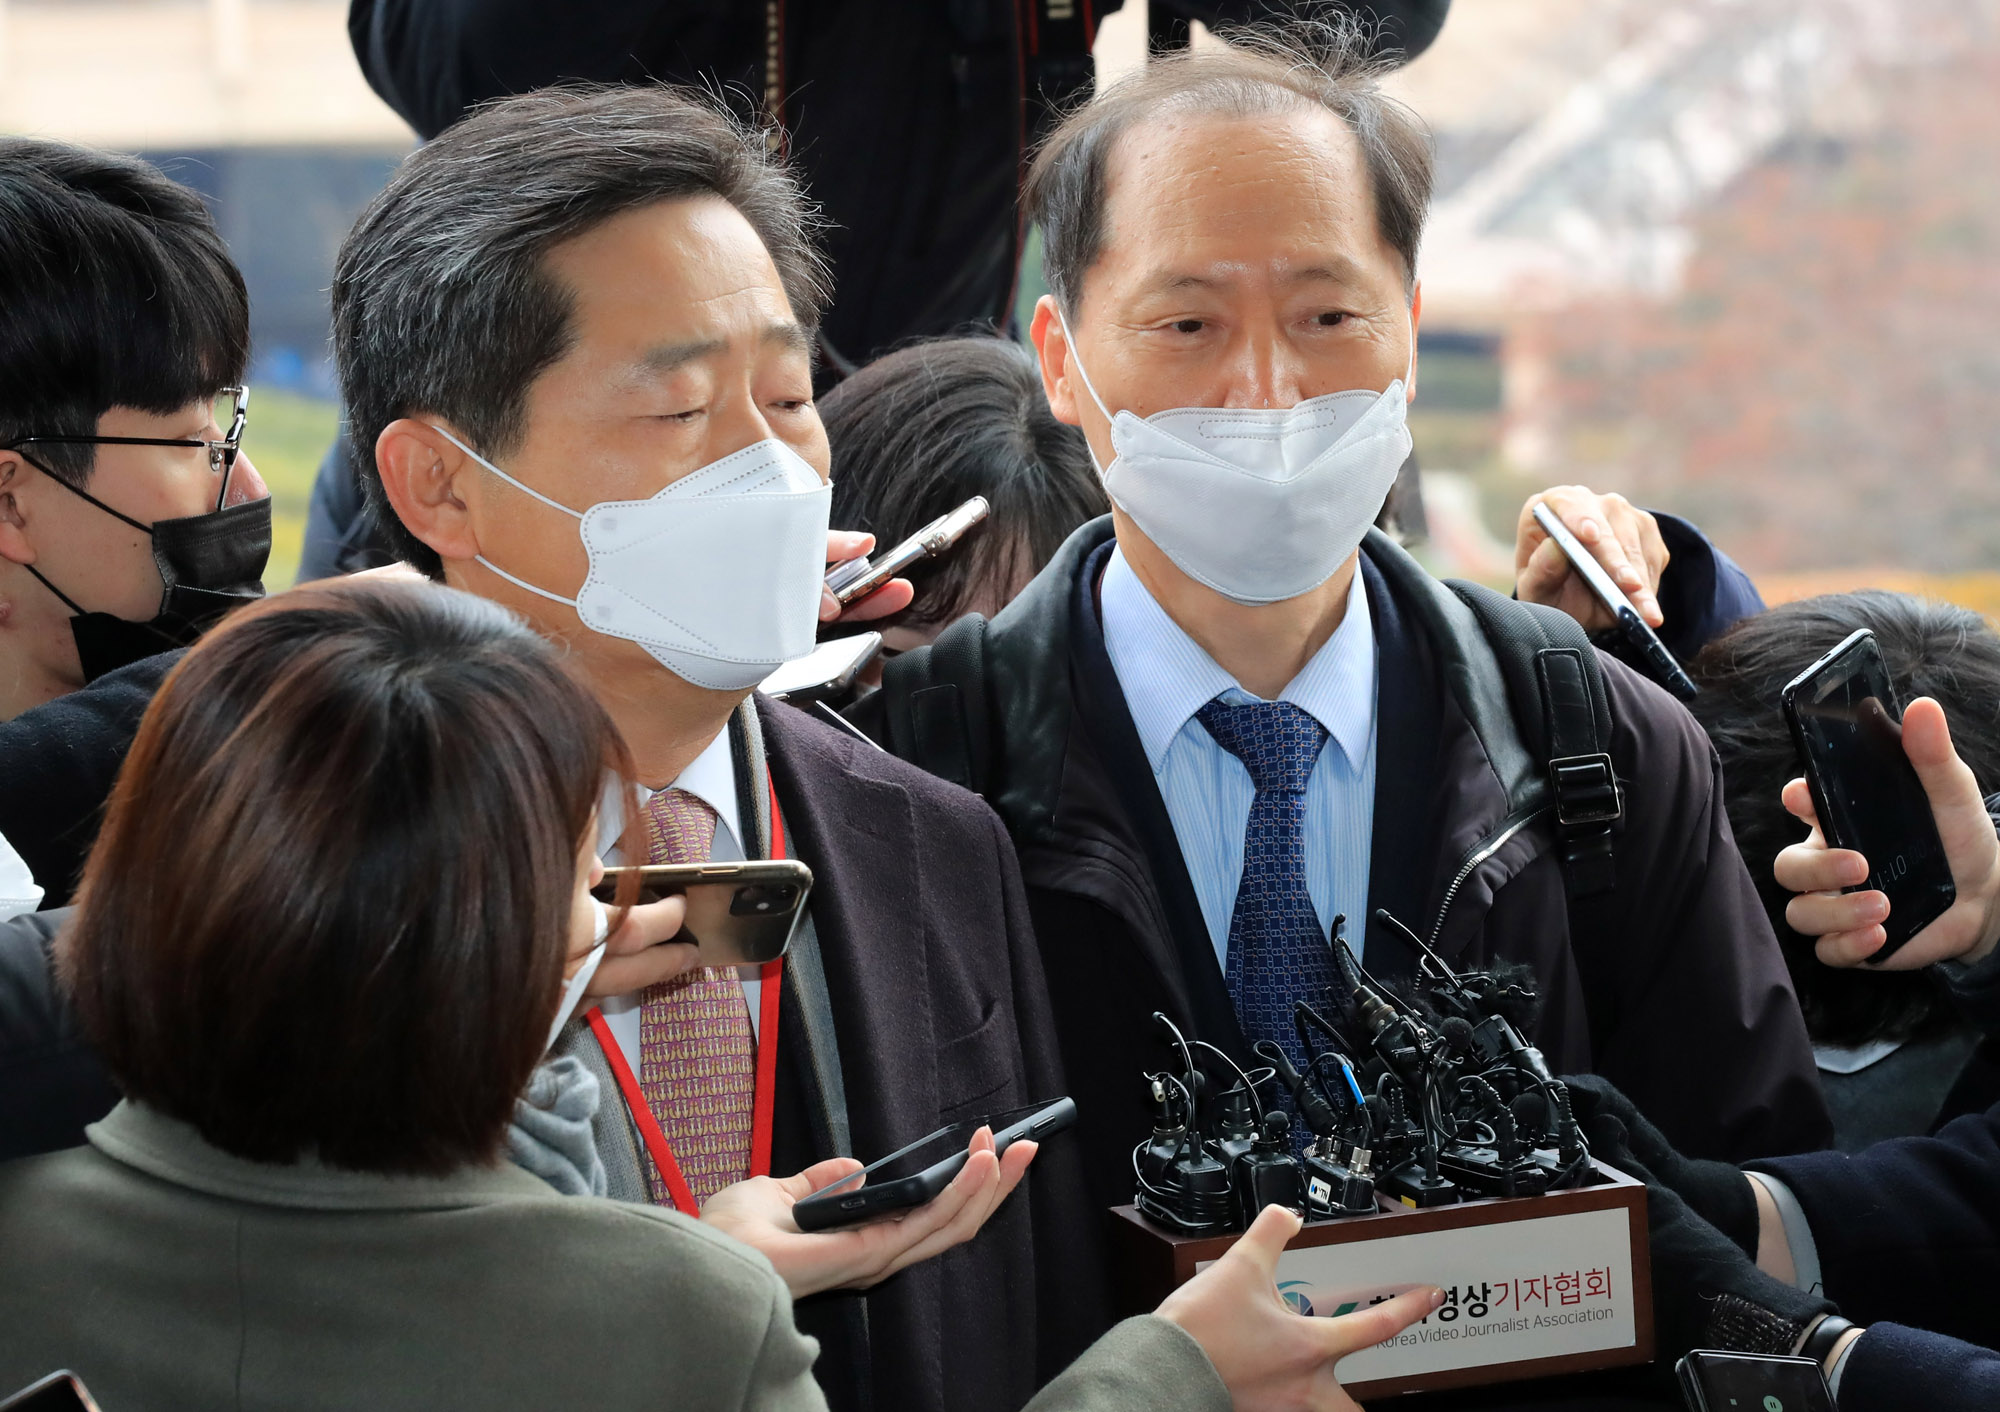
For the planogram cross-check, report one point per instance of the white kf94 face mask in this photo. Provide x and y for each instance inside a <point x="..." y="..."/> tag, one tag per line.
<point x="1260" y="505"/>
<point x="718" y="576"/>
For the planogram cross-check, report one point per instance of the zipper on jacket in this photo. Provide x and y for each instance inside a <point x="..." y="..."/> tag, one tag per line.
<point x="1509" y="827"/>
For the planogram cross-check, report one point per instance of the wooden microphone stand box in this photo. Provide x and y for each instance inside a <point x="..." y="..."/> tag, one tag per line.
<point x="1534" y="1285"/>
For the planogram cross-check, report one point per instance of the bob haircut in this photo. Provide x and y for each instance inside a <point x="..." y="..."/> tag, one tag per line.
<point x="328" y="911"/>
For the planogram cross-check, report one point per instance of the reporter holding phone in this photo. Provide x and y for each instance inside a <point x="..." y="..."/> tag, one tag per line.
<point x="320" y="944"/>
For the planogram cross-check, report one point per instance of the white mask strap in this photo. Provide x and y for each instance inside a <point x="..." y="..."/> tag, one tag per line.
<point x="524" y="489"/>
<point x="488" y="564"/>
<point x="1077" y="359"/>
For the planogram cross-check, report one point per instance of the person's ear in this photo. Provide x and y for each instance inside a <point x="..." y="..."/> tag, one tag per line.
<point x="14" y="544"/>
<point x="1045" y="331"/>
<point x="423" y="476"/>
<point x="1416" y="318"/>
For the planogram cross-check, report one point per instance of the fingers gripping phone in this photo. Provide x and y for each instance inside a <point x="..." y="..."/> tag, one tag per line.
<point x="854" y="580"/>
<point x="738" y="914"/>
<point x="1848" y="726"/>
<point x="915" y="1174"/>
<point x="1659" y="663"/>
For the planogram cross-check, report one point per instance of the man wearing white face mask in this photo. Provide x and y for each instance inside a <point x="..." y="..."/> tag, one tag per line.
<point x="575" y="332"/>
<point x="1229" y="713"/>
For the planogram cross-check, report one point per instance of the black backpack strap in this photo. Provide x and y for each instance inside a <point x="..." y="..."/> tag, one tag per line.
<point x="1556" y="684"/>
<point x="934" y="708"/>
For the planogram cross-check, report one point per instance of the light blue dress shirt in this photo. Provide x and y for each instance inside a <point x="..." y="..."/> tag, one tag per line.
<point x="1167" y="677"/>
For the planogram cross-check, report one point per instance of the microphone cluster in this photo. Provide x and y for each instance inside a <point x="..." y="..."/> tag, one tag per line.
<point x="1428" y="1099"/>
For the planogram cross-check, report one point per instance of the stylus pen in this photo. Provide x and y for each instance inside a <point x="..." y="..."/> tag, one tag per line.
<point x="1660" y="664"/>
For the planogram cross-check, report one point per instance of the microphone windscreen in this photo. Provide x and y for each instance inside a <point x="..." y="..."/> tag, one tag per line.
<point x="1457" y="1034"/>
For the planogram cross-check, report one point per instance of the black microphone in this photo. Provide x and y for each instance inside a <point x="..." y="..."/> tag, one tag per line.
<point x="1316" y="1112"/>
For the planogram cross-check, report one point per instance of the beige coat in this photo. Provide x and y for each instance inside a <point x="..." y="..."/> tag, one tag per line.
<point x="171" y="1275"/>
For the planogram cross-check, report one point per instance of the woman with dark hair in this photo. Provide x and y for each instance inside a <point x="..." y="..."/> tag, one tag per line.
<point x="1889" y="1043"/>
<point x="320" y="944"/>
<point x="924" y="429"/>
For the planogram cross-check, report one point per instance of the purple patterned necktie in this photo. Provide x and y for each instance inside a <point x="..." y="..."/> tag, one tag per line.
<point x="697" y="1057"/>
<point x="1278" y="952"/>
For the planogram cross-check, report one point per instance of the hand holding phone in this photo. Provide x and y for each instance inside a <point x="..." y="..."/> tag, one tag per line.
<point x="758" y="1212"/>
<point x="857" y="578"/>
<point x="1846" y="721"/>
<point x="915" y="1174"/>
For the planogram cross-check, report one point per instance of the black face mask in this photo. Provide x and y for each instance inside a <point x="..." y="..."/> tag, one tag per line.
<point x="210" y="564"/>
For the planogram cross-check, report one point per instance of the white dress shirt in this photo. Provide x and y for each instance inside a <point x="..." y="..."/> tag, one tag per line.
<point x="711" y="778"/>
<point x="1166" y="677"/>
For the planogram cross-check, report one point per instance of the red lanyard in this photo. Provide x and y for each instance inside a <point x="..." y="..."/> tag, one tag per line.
<point x="657" y="1147"/>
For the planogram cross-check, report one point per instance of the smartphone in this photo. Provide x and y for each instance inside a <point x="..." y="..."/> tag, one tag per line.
<point x="58" y="1392"/>
<point x="855" y="579"/>
<point x="739" y="914"/>
<point x="1849" y="730"/>
<point x="1655" y="660"/>
<point x="1713" y="1381"/>
<point x="917" y="1173"/>
<point x="826" y="671"/>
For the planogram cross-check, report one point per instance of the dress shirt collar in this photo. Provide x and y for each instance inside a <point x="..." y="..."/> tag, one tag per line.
<point x="709" y="777"/>
<point x="1167" y="677"/>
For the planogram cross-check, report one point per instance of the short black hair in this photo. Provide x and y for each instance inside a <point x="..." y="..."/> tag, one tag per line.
<point x="924" y="429"/>
<point x="330" y="904"/>
<point x="115" y="291"/>
<point x="1332" y="65"/>
<point x="1931" y="649"/>
<point x="441" y="303"/>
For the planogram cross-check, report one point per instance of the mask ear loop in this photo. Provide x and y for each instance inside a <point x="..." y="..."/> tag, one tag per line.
<point x="528" y="490"/>
<point x="1083" y="373"/>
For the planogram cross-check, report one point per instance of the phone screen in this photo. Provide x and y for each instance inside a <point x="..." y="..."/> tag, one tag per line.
<point x="1733" y="1382"/>
<point x="1868" y="794"/>
<point x="59" y="1392"/>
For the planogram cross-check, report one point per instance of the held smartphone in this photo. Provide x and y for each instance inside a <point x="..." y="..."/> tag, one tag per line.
<point x="1659" y="664"/>
<point x="58" y="1392"/>
<point x="854" y="580"/>
<point x="1712" y="1381"/>
<point x="1848" y="726"/>
<point x="826" y="671"/>
<point x="739" y="914"/>
<point x="917" y="1173"/>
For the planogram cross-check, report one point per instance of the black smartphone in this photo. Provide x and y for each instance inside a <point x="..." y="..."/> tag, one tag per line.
<point x="1849" y="729"/>
<point x="1713" y="1381"/>
<point x="1656" y="661"/>
<point x="739" y="914"/>
<point x="58" y="1392"/>
<point x="917" y="1173"/>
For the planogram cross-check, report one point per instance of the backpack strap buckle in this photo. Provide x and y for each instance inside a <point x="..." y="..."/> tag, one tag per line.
<point x="1586" y="791"/>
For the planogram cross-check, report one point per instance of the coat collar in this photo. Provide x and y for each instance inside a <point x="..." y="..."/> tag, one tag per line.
<point x="148" y="1140"/>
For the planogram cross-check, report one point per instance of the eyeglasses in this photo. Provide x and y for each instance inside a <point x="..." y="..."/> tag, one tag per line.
<point x="221" y="454"/>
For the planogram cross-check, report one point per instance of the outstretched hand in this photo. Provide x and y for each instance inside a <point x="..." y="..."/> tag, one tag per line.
<point x="1848" y="925"/>
<point x="758" y="1212"/>
<point x="1270" y="1358"/>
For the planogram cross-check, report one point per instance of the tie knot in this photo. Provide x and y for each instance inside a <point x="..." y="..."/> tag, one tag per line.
<point x="680" y="828"/>
<point x="1276" y="741"/>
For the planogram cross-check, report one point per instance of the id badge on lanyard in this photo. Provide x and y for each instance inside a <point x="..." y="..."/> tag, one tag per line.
<point x="770" y="974"/>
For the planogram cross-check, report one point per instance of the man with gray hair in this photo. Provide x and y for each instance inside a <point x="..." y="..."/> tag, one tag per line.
<point x="1229" y="715"/>
<point x="574" y="336"/>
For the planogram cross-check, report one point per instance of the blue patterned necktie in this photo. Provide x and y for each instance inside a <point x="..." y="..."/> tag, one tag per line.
<point x="1277" y="951"/>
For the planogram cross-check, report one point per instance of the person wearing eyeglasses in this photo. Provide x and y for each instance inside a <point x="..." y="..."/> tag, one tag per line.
<point x="130" y="520"/>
